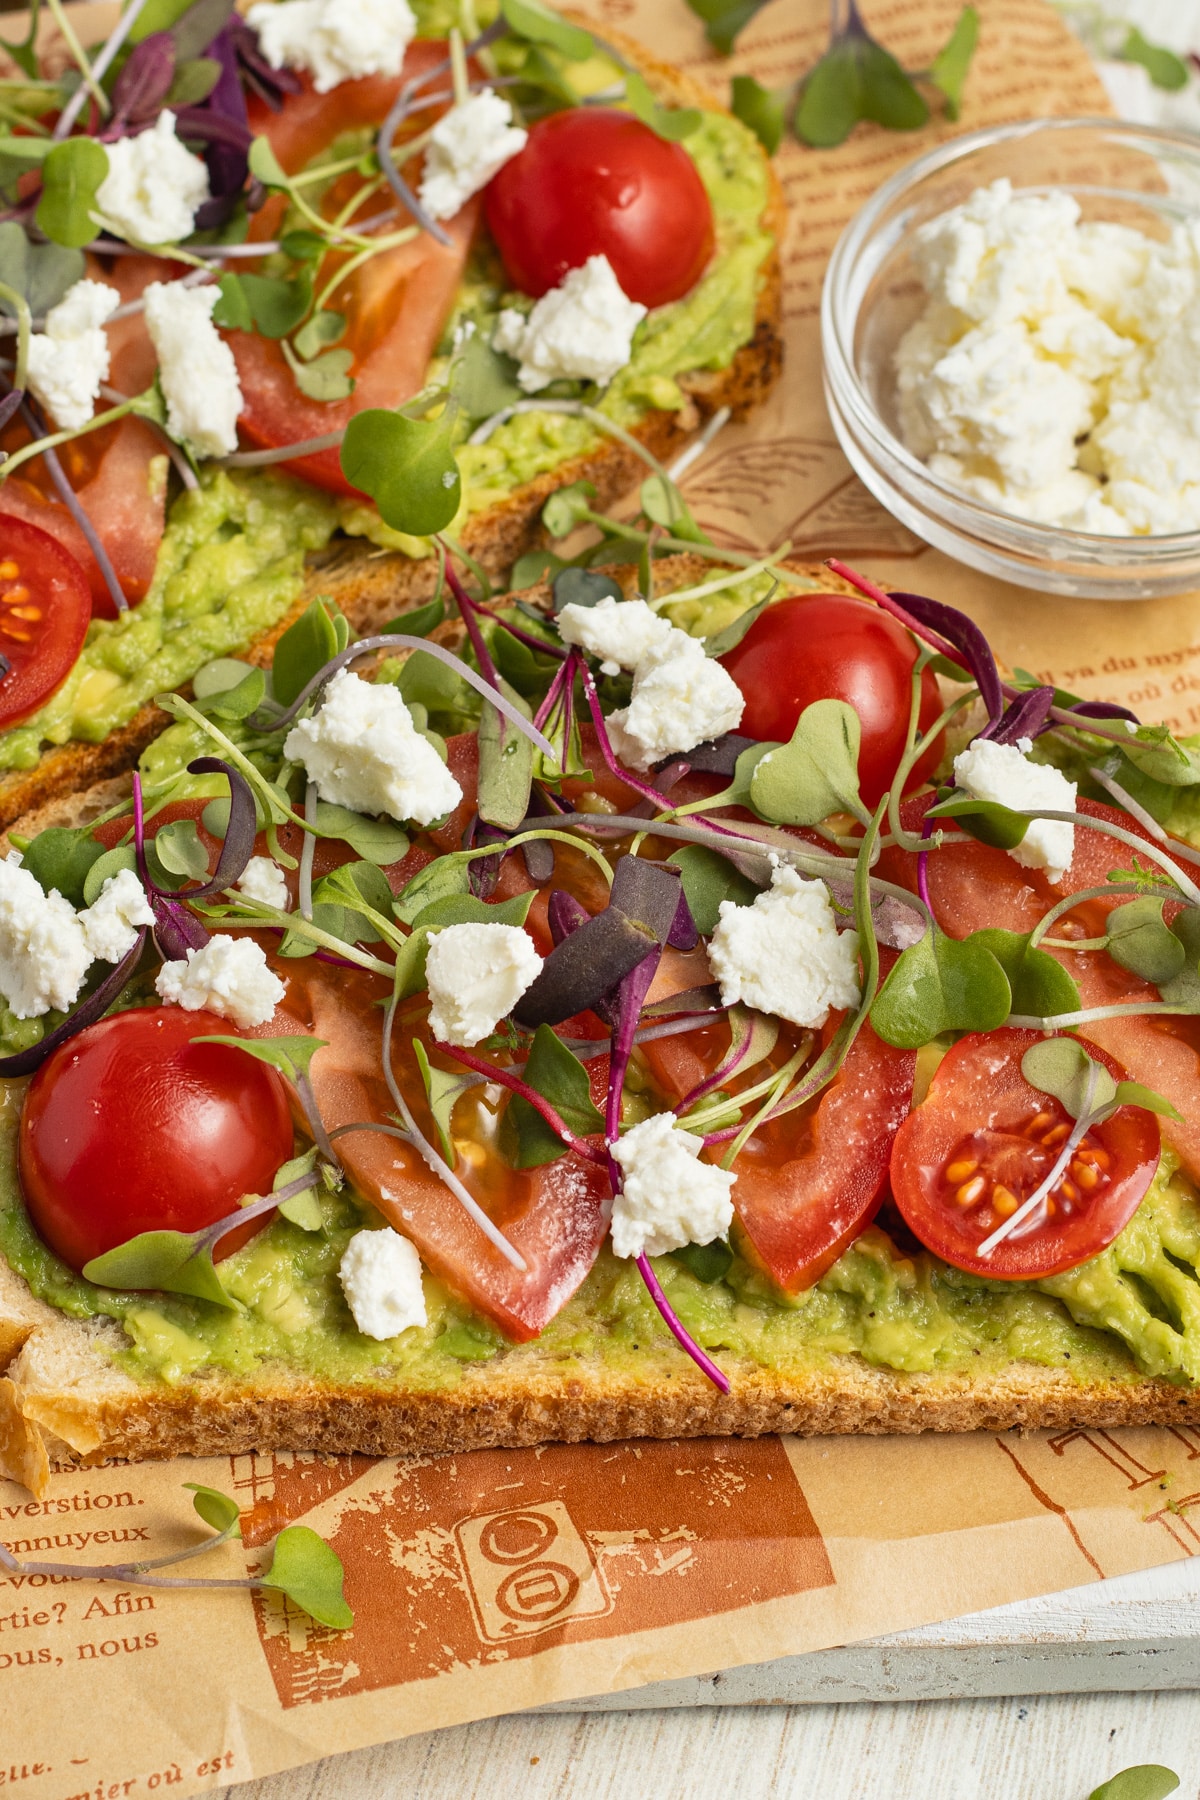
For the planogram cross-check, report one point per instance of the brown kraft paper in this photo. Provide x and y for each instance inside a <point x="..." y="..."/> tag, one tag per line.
<point x="487" y="1583"/>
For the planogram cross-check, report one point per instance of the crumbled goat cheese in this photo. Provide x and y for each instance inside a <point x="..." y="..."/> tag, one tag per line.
<point x="228" y="976"/>
<point x="380" y="1273"/>
<point x="680" y="698"/>
<point x="785" y="954"/>
<point x="154" y="186"/>
<point x="467" y="146"/>
<point x="110" y="924"/>
<point x="363" y="751"/>
<point x="619" y="632"/>
<point x="69" y="360"/>
<point x="668" y="1198"/>
<point x="476" y="975"/>
<point x="335" y="40"/>
<point x="196" y="369"/>
<point x="1055" y="372"/>
<point x="43" y="953"/>
<point x="582" y="329"/>
<point x="1004" y="774"/>
<point x="263" y="880"/>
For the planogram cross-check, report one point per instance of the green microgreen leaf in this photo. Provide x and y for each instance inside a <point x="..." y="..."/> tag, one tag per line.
<point x="443" y="1091"/>
<point x="1165" y="69"/>
<point x="709" y="1263"/>
<point x="42" y="272"/>
<point x="71" y="175"/>
<point x="1062" y="1067"/>
<point x="708" y="879"/>
<point x="109" y="863"/>
<point x="466" y="909"/>
<point x="311" y="1575"/>
<point x="484" y="380"/>
<point x="673" y="123"/>
<point x="444" y="876"/>
<point x="724" y="19"/>
<point x="303" y="651"/>
<point x="948" y="71"/>
<point x="180" y="850"/>
<point x="505" y="764"/>
<point x="985" y="820"/>
<point x="292" y="1056"/>
<point x="216" y="1508"/>
<point x="540" y="25"/>
<point x="856" y="79"/>
<point x="323" y="329"/>
<point x="583" y="587"/>
<point x="236" y="702"/>
<point x="721" y="642"/>
<point x="266" y="166"/>
<point x="816" y="773"/>
<point x="272" y="306"/>
<point x="1153" y="750"/>
<point x="568" y="508"/>
<point x="763" y="109"/>
<point x="1140" y="941"/>
<point x="172" y="1262"/>
<point x="1041" y="987"/>
<point x="344" y="899"/>
<point x="407" y="466"/>
<point x="534" y="566"/>
<point x="422" y="620"/>
<point x="1145" y="1781"/>
<point x="302" y="1209"/>
<point x="196" y="24"/>
<point x="409" y="976"/>
<point x="326" y="378"/>
<point x="559" y="1077"/>
<point x="664" y="505"/>
<point x="232" y="310"/>
<point x="941" y="984"/>
<point x="193" y="81"/>
<point x="379" y="841"/>
<point x="61" y="858"/>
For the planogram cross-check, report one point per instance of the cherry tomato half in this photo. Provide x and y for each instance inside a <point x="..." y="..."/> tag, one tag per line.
<point x="593" y="181"/>
<point x="822" y="646"/>
<point x="984" y="1140"/>
<point x="45" y="607"/>
<point x="131" y="1127"/>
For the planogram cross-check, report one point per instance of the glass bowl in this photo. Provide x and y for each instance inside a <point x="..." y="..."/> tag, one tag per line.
<point x="1133" y="175"/>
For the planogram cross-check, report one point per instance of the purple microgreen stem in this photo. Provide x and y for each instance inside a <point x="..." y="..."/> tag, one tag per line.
<point x="682" y="1337"/>
<point x="466" y="612"/>
<point x="238" y="845"/>
<point x="437" y="1164"/>
<point x="587" y="1048"/>
<point x="508" y="1078"/>
<point x="1036" y="1200"/>
<point x="606" y="750"/>
<point x="24" y="1062"/>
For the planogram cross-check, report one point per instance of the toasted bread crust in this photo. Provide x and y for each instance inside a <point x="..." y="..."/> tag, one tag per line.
<point x="372" y="586"/>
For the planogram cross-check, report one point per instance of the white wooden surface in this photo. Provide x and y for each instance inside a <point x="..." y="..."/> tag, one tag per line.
<point x="1038" y="1701"/>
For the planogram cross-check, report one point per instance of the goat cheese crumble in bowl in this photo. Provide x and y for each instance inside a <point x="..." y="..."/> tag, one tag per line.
<point x="1011" y="339"/>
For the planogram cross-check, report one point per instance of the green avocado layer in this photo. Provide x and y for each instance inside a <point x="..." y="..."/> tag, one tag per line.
<point x="1134" y="1309"/>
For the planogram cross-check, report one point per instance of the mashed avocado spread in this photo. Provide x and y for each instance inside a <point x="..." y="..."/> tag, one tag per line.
<point x="1135" y="1309"/>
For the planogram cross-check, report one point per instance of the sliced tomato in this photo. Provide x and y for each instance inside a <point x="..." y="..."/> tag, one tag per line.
<point x="972" y="886"/>
<point x="556" y="1217"/>
<point x="983" y="1141"/>
<point x="396" y="304"/>
<point x="45" y="606"/>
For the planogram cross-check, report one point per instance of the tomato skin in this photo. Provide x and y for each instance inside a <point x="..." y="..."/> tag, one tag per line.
<point x="979" y="1097"/>
<point x="129" y="1127"/>
<point x="593" y="181"/>
<point x="37" y="572"/>
<point x="821" y="646"/>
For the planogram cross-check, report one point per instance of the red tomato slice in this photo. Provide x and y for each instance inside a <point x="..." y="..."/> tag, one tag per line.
<point x="556" y="1216"/>
<point x="810" y="1182"/>
<point x="984" y="1140"/>
<point x="972" y="886"/>
<point x="131" y="1127"/>
<point x="830" y="646"/>
<point x="45" y="607"/>
<point x="396" y="304"/>
<point x="593" y="181"/>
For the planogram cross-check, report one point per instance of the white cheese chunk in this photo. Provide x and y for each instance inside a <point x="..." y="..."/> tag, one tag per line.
<point x="154" y="186"/>
<point x="110" y="924"/>
<point x="1004" y="774"/>
<point x="619" y="632"/>
<point x="43" y="952"/>
<point x="70" y="358"/>
<point x="668" y="1198"/>
<point x="476" y="975"/>
<point x="195" y="367"/>
<point x="380" y="1273"/>
<point x="468" y="145"/>
<point x="263" y="880"/>
<point x="363" y="751"/>
<point x="335" y="40"/>
<point x="581" y="330"/>
<point x="784" y="954"/>
<point x="680" y="698"/>
<point x="228" y="976"/>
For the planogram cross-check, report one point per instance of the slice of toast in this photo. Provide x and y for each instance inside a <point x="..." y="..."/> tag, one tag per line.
<point x="371" y="586"/>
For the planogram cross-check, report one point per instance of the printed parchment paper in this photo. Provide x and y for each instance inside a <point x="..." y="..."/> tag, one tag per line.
<point x="486" y="1583"/>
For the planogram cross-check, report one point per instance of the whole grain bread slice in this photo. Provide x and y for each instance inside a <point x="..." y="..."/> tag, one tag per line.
<point x="372" y="586"/>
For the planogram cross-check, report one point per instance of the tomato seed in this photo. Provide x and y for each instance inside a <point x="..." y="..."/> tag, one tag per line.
<point x="1057" y="1135"/>
<point x="1043" y="1119"/>
<point x="1085" y="1175"/>
<point x="15" y="595"/>
<point x="970" y="1191"/>
<point x="959" y="1171"/>
<point x="1004" y="1202"/>
<point x="1068" y="1190"/>
<point x="9" y="570"/>
<point x="27" y="612"/>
